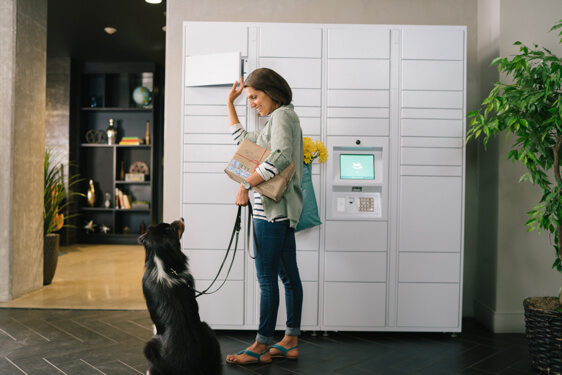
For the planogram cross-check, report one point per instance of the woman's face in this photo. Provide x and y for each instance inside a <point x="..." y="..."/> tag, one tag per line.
<point x="260" y="101"/>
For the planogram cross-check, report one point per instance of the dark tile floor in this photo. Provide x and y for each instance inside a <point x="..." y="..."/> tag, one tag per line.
<point x="110" y="342"/>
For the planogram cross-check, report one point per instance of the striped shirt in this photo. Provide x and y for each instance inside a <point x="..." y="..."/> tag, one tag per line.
<point x="266" y="170"/>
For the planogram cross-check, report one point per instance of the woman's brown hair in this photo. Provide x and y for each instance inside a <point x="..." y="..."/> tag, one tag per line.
<point x="270" y="82"/>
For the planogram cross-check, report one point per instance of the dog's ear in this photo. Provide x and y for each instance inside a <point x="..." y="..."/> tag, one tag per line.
<point x="142" y="239"/>
<point x="179" y="226"/>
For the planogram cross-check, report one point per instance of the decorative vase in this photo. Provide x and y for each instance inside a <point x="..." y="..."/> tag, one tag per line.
<point x="50" y="256"/>
<point x="91" y="194"/>
<point x="111" y="133"/>
<point x="107" y="202"/>
<point x="147" y="136"/>
<point x="544" y="334"/>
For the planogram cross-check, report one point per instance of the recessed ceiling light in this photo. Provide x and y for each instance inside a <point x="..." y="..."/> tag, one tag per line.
<point x="110" y="30"/>
<point x="153" y="1"/>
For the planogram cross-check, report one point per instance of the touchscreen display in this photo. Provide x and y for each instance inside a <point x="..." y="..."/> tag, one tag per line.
<point x="357" y="166"/>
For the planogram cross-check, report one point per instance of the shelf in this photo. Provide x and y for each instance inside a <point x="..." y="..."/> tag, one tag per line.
<point x="118" y="146"/>
<point x="109" y="210"/>
<point x="97" y="209"/>
<point x="110" y="238"/>
<point x="105" y="93"/>
<point x="119" y="182"/>
<point x="133" y="210"/>
<point x="117" y="109"/>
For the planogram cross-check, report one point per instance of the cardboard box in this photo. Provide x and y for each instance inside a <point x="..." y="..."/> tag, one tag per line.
<point x="245" y="161"/>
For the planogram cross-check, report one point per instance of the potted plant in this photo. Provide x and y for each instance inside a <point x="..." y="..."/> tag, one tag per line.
<point x="56" y="201"/>
<point x="530" y="108"/>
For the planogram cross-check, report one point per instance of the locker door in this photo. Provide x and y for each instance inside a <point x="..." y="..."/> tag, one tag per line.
<point x="432" y="128"/>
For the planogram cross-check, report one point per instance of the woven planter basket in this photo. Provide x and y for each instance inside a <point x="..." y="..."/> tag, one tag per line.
<point x="544" y="332"/>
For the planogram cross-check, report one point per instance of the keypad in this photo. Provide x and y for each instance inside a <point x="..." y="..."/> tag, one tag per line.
<point x="366" y="204"/>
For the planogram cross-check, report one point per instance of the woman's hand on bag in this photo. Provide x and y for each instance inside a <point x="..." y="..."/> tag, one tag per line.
<point x="242" y="196"/>
<point x="236" y="90"/>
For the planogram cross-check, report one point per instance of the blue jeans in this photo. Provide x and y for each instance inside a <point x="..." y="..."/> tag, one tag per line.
<point x="277" y="257"/>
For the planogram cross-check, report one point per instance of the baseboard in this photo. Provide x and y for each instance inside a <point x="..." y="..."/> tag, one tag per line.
<point x="484" y="315"/>
<point x="499" y="322"/>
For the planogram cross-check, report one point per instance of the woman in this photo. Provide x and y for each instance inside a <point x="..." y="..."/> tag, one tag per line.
<point x="274" y="223"/>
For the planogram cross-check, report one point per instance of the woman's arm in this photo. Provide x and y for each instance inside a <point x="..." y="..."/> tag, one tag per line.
<point x="237" y="130"/>
<point x="232" y="96"/>
<point x="284" y="137"/>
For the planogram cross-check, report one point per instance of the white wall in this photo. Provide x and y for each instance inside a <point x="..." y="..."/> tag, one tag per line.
<point x="524" y="259"/>
<point x="485" y="171"/>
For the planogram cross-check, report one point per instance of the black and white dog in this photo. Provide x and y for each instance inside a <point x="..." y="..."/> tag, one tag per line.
<point x="182" y="343"/>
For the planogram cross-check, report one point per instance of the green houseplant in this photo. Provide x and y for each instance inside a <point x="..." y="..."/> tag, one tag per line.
<point x="56" y="201"/>
<point x="530" y="108"/>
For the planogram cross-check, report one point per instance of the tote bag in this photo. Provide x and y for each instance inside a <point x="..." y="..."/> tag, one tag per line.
<point x="309" y="216"/>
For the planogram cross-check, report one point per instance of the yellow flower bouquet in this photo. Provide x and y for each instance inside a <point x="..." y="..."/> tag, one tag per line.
<point x="314" y="149"/>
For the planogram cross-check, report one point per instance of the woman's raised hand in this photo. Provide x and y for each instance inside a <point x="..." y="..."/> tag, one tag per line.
<point x="236" y="90"/>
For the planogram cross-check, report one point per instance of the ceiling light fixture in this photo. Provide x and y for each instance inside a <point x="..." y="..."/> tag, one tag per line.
<point x="153" y="1"/>
<point x="110" y="30"/>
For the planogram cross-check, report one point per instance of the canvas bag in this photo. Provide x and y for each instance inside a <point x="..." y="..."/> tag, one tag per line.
<point x="309" y="215"/>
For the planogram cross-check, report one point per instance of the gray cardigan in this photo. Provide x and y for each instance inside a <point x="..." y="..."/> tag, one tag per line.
<point x="282" y="134"/>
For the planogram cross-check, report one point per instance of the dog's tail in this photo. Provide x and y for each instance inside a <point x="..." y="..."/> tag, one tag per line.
<point x="152" y="350"/>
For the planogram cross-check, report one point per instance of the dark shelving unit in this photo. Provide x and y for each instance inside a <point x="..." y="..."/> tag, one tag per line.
<point x="105" y="92"/>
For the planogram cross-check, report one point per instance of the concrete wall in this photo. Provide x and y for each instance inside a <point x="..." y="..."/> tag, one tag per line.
<point x="400" y="12"/>
<point x="7" y="72"/>
<point x="57" y="106"/>
<point x="57" y="125"/>
<point x="22" y="125"/>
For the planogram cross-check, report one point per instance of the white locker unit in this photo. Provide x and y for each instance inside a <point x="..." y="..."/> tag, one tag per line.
<point x="358" y="105"/>
<point x="301" y="65"/>
<point x="388" y="256"/>
<point x="207" y="204"/>
<point x="431" y="178"/>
